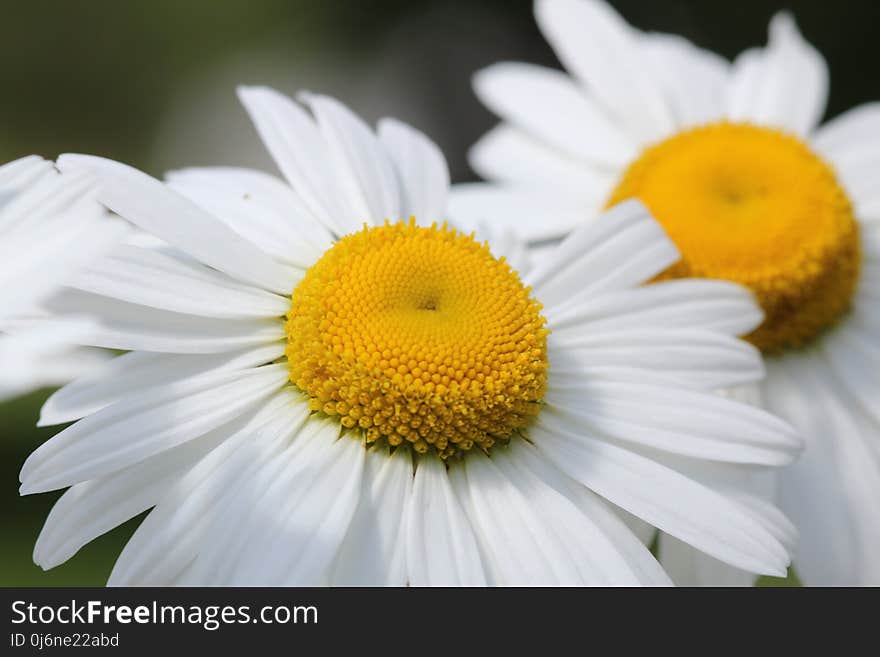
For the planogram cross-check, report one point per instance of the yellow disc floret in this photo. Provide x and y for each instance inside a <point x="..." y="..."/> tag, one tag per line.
<point x="755" y="206"/>
<point x="418" y="336"/>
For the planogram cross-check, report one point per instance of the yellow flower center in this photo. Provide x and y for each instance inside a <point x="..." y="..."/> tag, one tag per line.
<point x="755" y="206"/>
<point x="420" y="336"/>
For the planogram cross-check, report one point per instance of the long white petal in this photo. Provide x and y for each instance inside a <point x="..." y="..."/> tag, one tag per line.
<point x="121" y="325"/>
<point x="616" y="540"/>
<point x="508" y="155"/>
<point x="531" y="215"/>
<point x="717" y="306"/>
<point x="150" y="277"/>
<point x="258" y="206"/>
<point x="831" y="492"/>
<point x="550" y="107"/>
<point x="157" y="209"/>
<point x="440" y="546"/>
<point x="136" y="371"/>
<point x="373" y="552"/>
<point x="784" y="85"/>
<point x="668" y="500"/>
<point x="703" y="358"/>
<point x="601" y="50"/>
<point x="133" y="429"/>
<point x="622" y="248"/>
<point x="361" y="165"/>
<point x="91" y="508"/>
<point x="178" y="529"/>
<point x="297" y="530"/>
<point x="300" y="151"/>
<point x="421" y="171"/>
<point x="693" y="423"/>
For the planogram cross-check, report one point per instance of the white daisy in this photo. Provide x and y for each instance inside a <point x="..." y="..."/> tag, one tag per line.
<point x="50" y="227"/>
<point x="732" y="161"/>
<point x="315" y="395"/>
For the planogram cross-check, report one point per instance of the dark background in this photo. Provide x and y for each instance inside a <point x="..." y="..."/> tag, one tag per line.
<point x="152" y="84"/>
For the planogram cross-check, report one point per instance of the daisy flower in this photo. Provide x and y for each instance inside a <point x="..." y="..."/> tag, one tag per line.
<point x="325" y="386"/>
<point x="49" y="228"/>
<point x="731" y="160"/>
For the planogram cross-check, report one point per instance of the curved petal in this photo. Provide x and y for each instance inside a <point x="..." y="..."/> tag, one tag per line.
<point x="622" y="248"/>
<point x="704" y="304"/>
<point x="421" y="169"/>
<point x="668" y="500"/>
<point x="362" y="166"/>
<point x="373" y="552"/>
<point x="550" y="107"/>
<point x="136" y="371"/>
<point x="784" y="85"/>
<point x="533" y="216"/>
<point x="157" y="209"/>
<point x="133" y="429"/>
<point x="178" y="530"/>
<point x="508" y="155"/>
<point x="121" y="325"/>
<point x="700" y="357"/>
<point x="259" y="207"/>
<point x="440" y="546"/>
<point x="149" y="277"/>
<point x="601" y="50"/>
<point x="689" y="422"/>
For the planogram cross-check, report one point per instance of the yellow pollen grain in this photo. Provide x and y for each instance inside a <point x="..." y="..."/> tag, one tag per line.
<point x="418" y="336"/>
<point x="756" y="206"/>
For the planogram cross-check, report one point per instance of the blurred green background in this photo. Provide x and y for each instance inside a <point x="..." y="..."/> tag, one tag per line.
<point x="152" y="84"/>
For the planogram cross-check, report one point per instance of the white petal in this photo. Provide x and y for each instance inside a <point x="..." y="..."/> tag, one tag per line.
<point x="260" y="207"/>
<point x="361" y="164"/>
<point x="849" y="134"/>
<point x="532" y="215"/>
<point x="24" y="171"/>
<point x="669" y="501"/>
<point x="157" y="209"/>
<point x="785" y="85"/>
<point x="91" y="508"/>
<point x="137" y="371"/>
<point x="550" y="107"/>
<point x="693" y="79"/>
<point x="298" y="148"/>
<point x="536" y="535"/>
<point x="133" y="429"/>
<point x="688" y="422"/>
<point x="696" y="303"/>
<point x="39" y="224"/>
<point x="854" y="356"/>
<point x="522" y="546"/>
<point x="600" y="49"/>
<point x="623" y="542"/>
<point x="421" y="170"/>
<point x="689" y="567"/>
<point x="508" y="155"/>
<point x="440" y="545"/>
<point x="373" y="553"/>
<point x="302" y="521"/>
<point x="851" y="142"/>
<point x="701" y="358"/>
<point x="128" y="326"/>
<point x="149" y="277"/>
<point x="174" y="533"/>
<point x="46" y="355"/>
<point x="831" y="492"/>
<point x="622" y="248"/>
<point x="222" y="542"/>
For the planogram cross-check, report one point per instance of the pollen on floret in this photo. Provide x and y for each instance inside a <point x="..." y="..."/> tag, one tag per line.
<point x="418" y="336"/>
<point x="758" y="207"/>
